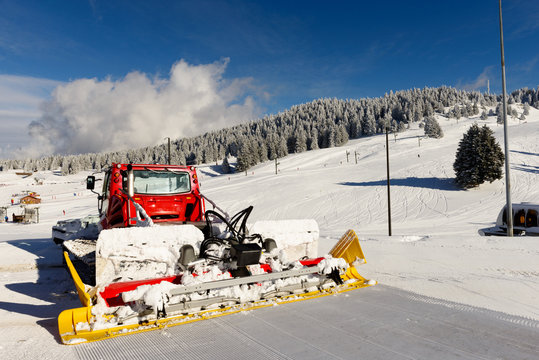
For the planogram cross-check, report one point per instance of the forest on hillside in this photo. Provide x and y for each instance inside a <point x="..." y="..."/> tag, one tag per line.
<point x="318" y="124"/>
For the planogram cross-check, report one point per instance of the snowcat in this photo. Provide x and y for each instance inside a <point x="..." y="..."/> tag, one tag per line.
<point x="525" y="221"/>
<point x="161" y="259"/>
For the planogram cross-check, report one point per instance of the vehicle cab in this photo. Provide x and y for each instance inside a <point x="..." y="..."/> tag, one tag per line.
<point x="167" y="193"/>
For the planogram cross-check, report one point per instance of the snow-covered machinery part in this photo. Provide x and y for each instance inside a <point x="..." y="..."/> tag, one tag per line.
<point x="156" y="276"/>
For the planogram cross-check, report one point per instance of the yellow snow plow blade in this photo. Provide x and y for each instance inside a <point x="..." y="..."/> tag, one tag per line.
<point x="349" y="249"/>
<point x="84" y="297"/>
<point x="76" y="325"/>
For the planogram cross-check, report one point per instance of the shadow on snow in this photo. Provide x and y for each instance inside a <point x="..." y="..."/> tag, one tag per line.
<point x="53" y="288"/>
<point x="526" y="168"/>
<point x="524" y="152"/>
<point x="427" y="183"/>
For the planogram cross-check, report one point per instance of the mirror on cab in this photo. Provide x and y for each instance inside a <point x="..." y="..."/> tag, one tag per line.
<point x="90" y="182"/>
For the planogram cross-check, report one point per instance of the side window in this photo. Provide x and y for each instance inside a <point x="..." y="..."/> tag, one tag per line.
<point x="531" y="218"/>
<point x="520" y="217"/>
<point x="106" y="183"/>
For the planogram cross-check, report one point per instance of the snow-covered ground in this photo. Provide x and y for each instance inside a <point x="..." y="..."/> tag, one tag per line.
<point x="435" y="249"/>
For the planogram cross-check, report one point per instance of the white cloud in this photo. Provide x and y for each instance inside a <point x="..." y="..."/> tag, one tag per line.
<point x="20" y="98"/>
<point x="480" y="83"/>
<point x="90" y="115"/>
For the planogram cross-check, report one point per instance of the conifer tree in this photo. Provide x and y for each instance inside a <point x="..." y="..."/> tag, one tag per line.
<point x="225" y="166"/>
<point x="526" y="110"/>
<point x="479" y="158"/>
<point x="432" y="128"/>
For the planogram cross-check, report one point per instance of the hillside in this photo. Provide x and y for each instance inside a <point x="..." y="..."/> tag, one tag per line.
<point x="322" y="123"/>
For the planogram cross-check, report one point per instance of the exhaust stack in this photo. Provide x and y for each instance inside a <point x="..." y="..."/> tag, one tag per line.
<point x="130" y="181"/>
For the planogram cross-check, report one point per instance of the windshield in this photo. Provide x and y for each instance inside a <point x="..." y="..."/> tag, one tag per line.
<point x="162" y="182"/>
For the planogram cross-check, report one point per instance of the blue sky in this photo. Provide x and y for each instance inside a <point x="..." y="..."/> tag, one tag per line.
<point x="274" y="53"/>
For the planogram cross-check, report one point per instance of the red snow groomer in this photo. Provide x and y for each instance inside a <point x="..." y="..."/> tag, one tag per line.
<point x="140" y="276"/>
<point x="167" y="193"/>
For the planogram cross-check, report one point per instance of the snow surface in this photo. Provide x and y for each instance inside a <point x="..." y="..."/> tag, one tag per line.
<point x="435" y="249"/>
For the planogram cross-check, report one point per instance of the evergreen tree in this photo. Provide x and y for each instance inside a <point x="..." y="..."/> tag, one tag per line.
<point x="526" y="110"/>
<point x="225" y="166"/>
<point x="432" y="128"/>
<point x="475" y="109"/>
<point x="244" y="159"/>
<point x="341" y="136"/>
<point x="300" y="143"/>
<point x="479" y="158"/>
<point x="247" y="155"/>
<point x="484" y="115"/>
<point x="492" y="156"/>
<point x="458" y="112"/>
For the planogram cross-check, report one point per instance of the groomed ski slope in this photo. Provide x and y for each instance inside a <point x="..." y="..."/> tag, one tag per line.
<point x="434" y="252"/>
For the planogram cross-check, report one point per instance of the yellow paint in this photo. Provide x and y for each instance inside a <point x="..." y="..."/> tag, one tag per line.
<point x="84" y="297"/>
<point x="348" y="248"/>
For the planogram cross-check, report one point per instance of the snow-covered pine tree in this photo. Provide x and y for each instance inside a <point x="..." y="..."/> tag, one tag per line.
<point x="341" y="136"/>
<point x="432" y="128"/>
<point x="526" y="110"/>
<point x="300" y="141"/>
<point x="225" y="166"/>
<point x="475" y="109"/>
<point x="458" y="112"/>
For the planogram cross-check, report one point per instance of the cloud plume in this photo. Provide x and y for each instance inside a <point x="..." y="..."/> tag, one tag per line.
<point x="90" y="115"/>
<point x="479" y="83"/>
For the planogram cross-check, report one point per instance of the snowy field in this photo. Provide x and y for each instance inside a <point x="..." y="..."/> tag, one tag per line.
<point x="435" y="249"/>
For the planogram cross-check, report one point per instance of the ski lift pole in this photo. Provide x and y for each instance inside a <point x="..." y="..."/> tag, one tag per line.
<point x="505" y="137"/>
<point x="168" y="152"/>
<point x="388" y="185"/>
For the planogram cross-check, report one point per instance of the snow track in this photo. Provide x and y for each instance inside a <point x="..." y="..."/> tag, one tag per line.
<point x="373" y="323"/>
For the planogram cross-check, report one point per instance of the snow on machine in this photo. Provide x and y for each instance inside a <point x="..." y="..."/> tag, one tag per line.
<point x="525" y="221"/>
<point x="140" y="276"/>
<point x="85" y="228"/>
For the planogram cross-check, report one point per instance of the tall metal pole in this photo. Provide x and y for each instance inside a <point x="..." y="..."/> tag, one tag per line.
<point x="168" y="152"/>
<point x="509" y="206"/>
<point x="388" y="187"/>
